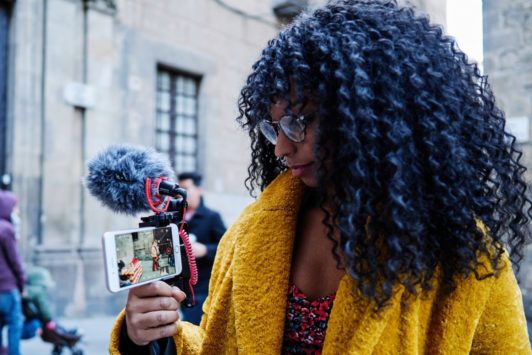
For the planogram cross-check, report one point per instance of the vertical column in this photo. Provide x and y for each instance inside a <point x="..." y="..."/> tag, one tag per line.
<point x="508" y="63"/>
<point x="4" y="37"/>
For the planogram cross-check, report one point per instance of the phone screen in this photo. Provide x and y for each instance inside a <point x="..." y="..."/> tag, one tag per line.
<point x="144" y="255"/>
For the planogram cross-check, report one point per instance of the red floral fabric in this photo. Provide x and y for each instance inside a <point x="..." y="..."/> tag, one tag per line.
<point x="306" y="322"/>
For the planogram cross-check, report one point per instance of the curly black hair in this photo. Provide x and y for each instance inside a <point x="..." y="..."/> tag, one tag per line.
<point x="427" y="167"/>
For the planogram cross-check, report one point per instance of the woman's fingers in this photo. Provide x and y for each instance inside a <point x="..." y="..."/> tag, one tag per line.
<point x="142" y="336"/>
<point x="157" y="288"/>
<point x="178" y="295"/>
<point x="147" y="321"/>
<point x="151" y="304"/>
<point x="151" y="311"/>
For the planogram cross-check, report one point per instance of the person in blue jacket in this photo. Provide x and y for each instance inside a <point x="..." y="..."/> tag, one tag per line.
<point x="205" y="228"/>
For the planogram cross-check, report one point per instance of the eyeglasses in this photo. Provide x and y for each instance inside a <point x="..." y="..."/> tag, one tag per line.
<point x="293" y="127"/>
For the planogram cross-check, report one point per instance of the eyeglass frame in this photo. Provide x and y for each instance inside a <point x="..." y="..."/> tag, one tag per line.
<point x="305" y="119"/>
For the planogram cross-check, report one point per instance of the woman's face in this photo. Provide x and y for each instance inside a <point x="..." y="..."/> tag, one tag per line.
<point x="299" y="157"/>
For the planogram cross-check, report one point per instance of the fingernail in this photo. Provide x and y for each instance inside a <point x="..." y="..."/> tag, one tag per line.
<point x="179" y="292"/>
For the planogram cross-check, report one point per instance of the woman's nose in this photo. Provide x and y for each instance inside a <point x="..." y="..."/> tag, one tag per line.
<point x="284" y="147"/>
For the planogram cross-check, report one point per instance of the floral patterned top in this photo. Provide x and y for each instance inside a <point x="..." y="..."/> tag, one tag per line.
<point x="306" y="322"/>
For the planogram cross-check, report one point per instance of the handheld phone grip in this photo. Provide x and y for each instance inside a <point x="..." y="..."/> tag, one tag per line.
<point x="189" y="274"/>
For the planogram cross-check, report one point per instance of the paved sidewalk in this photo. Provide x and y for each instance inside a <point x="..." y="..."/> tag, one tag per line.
<point x="96" y="332"/>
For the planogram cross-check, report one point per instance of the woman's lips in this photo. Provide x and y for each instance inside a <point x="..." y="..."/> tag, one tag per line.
<point x="298" y="170"/>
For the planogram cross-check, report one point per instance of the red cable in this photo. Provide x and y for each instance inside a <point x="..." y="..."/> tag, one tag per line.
<point x="151" y="202"/>
<point x="191" y="262"/>
<point x="190" y="256"/>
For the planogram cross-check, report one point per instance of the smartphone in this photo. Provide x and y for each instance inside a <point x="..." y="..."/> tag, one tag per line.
<point x="135" y="257"/>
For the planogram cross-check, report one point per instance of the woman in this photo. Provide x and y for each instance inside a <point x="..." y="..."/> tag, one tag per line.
<point x="389" y="186"/>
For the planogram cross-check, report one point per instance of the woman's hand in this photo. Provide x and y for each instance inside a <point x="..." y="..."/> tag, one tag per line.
<point x="152" y="311"/>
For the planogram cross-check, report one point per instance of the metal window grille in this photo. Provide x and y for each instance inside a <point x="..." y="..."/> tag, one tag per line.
<point x="177" y="118"/>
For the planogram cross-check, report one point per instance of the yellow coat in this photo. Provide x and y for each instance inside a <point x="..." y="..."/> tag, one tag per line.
<point x="245" y="310"/>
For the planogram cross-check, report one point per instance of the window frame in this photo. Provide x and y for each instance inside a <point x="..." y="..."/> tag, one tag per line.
<point x="177" y="114"/>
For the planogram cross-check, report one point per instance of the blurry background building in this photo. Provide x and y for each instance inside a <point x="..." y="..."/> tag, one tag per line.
<point x="79" y="75"/>
<point x="508" y="63"/>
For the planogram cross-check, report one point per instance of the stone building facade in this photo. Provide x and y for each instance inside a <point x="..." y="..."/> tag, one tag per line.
<point x="86" y="74"/>
<point x="508" y="63"/>
<point x="83" y="74"/>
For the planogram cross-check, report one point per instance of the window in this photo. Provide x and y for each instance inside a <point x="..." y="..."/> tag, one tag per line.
<point x="177" y="118"/>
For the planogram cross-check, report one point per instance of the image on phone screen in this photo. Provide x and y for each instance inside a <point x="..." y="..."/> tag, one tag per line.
<point x="144" y="255"/>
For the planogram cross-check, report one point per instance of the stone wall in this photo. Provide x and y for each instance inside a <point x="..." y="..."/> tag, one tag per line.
<point x="508" y="63"/>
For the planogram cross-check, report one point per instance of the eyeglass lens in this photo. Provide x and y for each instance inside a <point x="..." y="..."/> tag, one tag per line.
<point x="293" y="128"/>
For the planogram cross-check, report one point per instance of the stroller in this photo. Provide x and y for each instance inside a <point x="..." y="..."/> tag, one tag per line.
<point x="37" y="319"/>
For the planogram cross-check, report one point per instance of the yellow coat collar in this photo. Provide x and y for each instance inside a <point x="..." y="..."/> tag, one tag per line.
<point x="263" y="254"/>
<point x="261" y="270"/>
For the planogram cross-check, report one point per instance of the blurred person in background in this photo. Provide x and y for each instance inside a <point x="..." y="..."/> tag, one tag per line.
<point x="205" y="228"/>
<point x="392" y="203"/>
<point x="38" y="313"/>
<point x="12" y="275"/>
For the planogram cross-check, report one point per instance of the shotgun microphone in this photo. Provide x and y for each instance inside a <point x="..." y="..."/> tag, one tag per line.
<point x="131" y="179"/>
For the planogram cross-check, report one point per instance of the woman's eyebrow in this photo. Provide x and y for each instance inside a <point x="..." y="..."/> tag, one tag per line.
<point x="298" y="106"/>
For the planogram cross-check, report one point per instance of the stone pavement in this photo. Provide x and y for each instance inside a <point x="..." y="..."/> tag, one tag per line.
<point x="96" y="332"/>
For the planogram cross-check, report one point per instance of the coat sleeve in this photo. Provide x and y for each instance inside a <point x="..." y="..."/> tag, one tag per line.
<point x="14" y="260"/>
<point x="502" y="328"/>
<point x="41" y="300"/>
